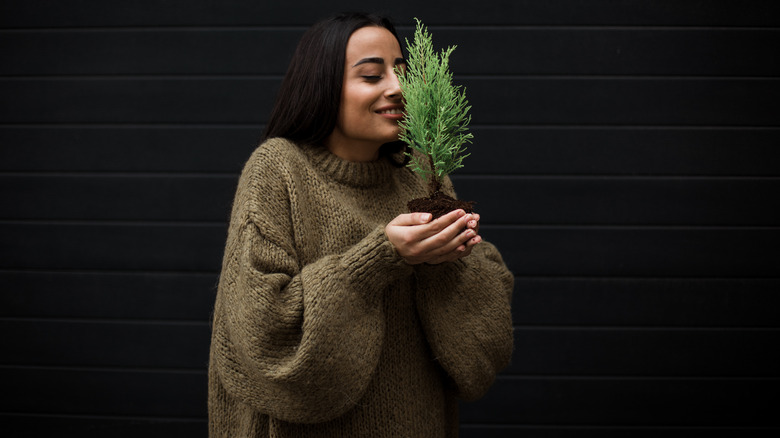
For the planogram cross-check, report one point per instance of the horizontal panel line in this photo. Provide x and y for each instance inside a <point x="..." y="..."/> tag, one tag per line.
<point x="81" y="271"/>
<point x="565" y="126"/>
<point x="759" y="225"/>
<point x="488" y="27"/>
<point x="484" y="77"/>
<point x="519" y="327"/>
<point x="214" y="224"/>
<point x="120" y="174"/>
<point x="173" y="174"/>
<point x="108" y="272"/>
<point x="517" y="377"/>
<point x="457" y="176"/>
<point x="140" y="77"/>
<point x="630" y="328"/>
<point x="619" y="77"/>
<point x="207" y="125"/>
<point x="194" y="125"/>
<point x="153" y="29"/>
<point x="624" y="127"/>
<point x="648" y="177"/>
<point x="302" y="27"/>
<point x="107" y="369"/>
<point x="503" y="377"/>
<point x="161" y="28"/>
<point x="111" y="321"/>
<point x="630" y="227"/>
<point x="44" y="271"/>
<point x="633" y="427"/>
<point x="199" y="419"/>
<point x="112" y="223"/>
<point x="637" y="278"/>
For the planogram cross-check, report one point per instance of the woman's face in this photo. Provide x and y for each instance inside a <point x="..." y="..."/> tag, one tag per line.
<point x="371" y="103"/>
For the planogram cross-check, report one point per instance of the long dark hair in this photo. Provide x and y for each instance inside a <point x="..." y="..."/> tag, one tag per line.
<point x="307" y="106"/>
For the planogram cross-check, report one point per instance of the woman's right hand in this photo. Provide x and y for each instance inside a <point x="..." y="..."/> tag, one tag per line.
<point x="417" y="239"/>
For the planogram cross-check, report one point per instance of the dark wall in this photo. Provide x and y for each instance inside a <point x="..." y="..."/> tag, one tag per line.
<point x="626" y="163"/>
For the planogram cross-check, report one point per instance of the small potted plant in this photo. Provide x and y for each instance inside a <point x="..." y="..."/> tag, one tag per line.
<point x="435" y="123"/>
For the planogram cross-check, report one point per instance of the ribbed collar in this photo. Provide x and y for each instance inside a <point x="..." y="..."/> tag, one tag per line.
<point x="359" y="174"/>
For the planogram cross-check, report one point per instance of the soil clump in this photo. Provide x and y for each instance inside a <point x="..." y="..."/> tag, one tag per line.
<point x="439" y="204"/>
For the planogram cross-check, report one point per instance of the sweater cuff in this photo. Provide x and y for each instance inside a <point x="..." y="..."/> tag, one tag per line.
<point x="374" y="263"/>
<point x="445" y="272"/>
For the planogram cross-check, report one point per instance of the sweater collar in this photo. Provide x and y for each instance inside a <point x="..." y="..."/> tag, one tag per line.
<point x="360" y="174"/>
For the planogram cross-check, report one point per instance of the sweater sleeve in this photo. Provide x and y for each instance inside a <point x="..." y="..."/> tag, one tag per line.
<point x="464" y="307"/>
<point x="298" y="343"/>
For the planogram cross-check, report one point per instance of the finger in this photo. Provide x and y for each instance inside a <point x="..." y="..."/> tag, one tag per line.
<point x="452" y="231"/>
<point x="410" y="219"/>
<point x="474" y="241"/>
<point x="421" y="218"/>
<point x="463" y="250"/>
<point x="445" y="221"/>
<point x="444" y="244"/>
<point x="469" y="239"/>
<point x="439" y="237"/>
<point x="451" y="256"/>
<point x="436" y="226"/>
<point x="474" y="221"/>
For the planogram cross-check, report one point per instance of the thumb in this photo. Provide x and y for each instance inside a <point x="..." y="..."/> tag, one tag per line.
<point x="410" y="219"/>
<point x="421" y="218"/>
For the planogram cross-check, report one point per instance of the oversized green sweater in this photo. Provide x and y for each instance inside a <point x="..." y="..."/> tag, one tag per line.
<point x="321" y="329"/>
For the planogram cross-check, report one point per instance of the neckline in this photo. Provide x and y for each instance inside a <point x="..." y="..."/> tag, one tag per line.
<point x="360" y="174"/>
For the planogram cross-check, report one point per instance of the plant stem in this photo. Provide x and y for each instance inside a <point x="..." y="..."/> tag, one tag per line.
<point x="434" y="184"/>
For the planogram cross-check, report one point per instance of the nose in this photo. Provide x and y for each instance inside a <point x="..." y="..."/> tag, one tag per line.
<point x="394" y="86"/>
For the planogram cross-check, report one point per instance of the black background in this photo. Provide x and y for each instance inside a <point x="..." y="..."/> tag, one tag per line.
<point x="626" y="162"/>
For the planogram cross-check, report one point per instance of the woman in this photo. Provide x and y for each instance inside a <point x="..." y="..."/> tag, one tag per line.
<point x="337" y="314"/>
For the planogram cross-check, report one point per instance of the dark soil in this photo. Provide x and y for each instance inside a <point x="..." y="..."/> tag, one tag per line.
<point x="439" y="204"/>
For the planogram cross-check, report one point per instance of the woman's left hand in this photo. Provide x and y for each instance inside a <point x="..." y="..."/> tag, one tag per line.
<point x="417" y="239"/>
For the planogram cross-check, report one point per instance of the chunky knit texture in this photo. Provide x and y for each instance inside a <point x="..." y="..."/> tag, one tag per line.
<point x="322" y="330"/>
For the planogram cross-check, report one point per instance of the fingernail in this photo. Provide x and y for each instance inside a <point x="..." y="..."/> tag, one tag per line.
<point x="426" y="217"/>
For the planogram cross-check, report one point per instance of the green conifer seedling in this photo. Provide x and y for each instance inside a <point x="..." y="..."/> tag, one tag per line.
<point x="436" y="111"/>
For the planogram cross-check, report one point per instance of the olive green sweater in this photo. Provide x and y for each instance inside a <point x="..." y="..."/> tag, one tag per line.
<point x="320" y="328"/>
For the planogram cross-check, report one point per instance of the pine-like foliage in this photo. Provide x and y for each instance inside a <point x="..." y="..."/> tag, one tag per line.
<point x="436" y="111"/>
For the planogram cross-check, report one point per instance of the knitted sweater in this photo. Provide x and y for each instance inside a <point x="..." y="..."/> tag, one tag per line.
<point x="321" y="329"/>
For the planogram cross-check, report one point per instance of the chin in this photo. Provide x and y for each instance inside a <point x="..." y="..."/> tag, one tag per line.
<point x="393" y="137"/>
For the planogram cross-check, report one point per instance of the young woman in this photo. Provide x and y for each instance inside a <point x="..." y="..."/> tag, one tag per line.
<point x="338" y="314"/>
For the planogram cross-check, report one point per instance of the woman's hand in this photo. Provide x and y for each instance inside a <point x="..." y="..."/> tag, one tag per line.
<point x="417" y="239"/>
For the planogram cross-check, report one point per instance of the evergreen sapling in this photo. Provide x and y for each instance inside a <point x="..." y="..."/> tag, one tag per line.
<point x="435" y="123"/>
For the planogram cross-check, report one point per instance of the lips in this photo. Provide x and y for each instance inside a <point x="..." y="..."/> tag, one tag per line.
<point x="392" y="112"/>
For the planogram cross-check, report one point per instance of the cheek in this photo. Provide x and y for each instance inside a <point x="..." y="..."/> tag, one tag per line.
<point x="358" y="98"/>
<point x="347" y="104"/>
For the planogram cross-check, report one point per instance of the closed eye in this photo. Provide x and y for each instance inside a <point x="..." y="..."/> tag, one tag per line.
<point x="372" y="78"/>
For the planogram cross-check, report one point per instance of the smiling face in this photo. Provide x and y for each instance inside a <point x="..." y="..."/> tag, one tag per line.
<point x="371" y="103"/>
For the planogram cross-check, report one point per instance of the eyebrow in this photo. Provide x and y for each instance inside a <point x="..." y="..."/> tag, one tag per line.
<point x="378" y="61"/>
